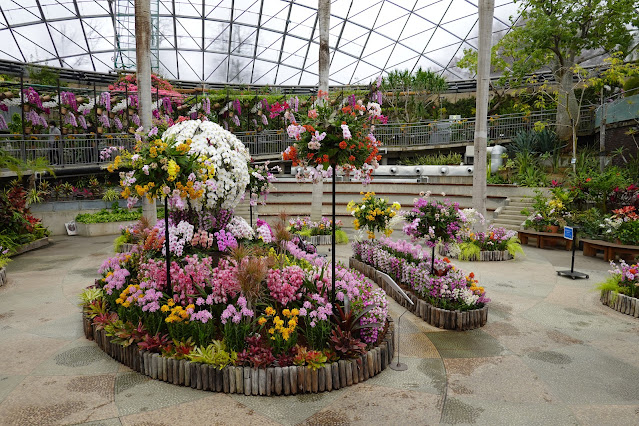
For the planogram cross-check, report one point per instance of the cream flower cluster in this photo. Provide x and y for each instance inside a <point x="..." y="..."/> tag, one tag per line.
<point x="224" y="160"/>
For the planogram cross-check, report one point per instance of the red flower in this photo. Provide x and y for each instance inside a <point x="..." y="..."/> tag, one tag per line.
<point x="343" y="144"/>
<point x="588" y="180"/>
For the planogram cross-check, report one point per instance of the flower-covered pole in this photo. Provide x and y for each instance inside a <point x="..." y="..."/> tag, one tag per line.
<point x="166" y="241"/>
<point x="334" y="168"/>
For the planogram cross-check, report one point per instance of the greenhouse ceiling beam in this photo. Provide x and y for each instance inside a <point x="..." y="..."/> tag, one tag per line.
<point x="242" y="42"/>
<point x="370" y="31"/>
<point x="10" y="28"/>
<point x="228" y="50"/>
<point x="257" y="37"/>
<point x="386" y="37"/>
<point x="279" y="59"/>
<point x="339" y="37"/>
<point x="402" y="32"/>
<point x="175" y="41"/>
<point x="84" y="33"/>
<point x="308" y="48"/>
<point x="431" y="36"/>
<point x="44" y="20"/>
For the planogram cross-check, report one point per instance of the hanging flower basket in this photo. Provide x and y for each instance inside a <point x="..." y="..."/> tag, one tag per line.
<point x="63" y="110"/>
<point x="98" y="110"/>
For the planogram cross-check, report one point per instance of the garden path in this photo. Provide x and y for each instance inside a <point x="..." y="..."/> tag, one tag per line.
<point x="550" y="354"/>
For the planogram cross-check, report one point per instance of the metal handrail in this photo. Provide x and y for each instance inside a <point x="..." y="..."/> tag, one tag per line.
<point x="84" y="149"/>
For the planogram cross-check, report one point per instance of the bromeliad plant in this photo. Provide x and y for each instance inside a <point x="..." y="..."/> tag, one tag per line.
<point x="373" y="214"/>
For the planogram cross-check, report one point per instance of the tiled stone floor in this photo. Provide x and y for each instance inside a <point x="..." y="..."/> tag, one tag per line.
<point x="550" y="354"/>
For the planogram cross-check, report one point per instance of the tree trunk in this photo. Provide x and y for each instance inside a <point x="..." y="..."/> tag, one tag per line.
<point x="324" y="16"/>
<point x="143" y="59"/>
<point x="486" y="11"/>
<point x="567" y="106"/>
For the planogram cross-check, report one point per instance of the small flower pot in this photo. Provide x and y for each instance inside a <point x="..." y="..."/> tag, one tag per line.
<point x="100" y="130"/>
<point x="131" y="111"/>
<point x="27" y="130"/>
<point x="63" y="111"/>
<point x="553" y="228"/>
<point x="98" y="110"/>
<point x="65" y="130"/>
<point x="132" y="130"/>
<point x="111" y="115"/>
<point x="46" y="98"/>
<point x="79" y="99"/>
<point x="26" y="107"/>
<point x="8" y="94"/>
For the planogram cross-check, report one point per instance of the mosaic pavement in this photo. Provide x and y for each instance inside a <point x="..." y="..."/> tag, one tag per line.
<point x="550" y="354"/>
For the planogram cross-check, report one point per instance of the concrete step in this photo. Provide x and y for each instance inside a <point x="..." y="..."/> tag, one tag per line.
<point x="511" y="216"/>
<point x="501" y="220"/>
<point x="506" y="226"/>
<point x="406" y="200"/>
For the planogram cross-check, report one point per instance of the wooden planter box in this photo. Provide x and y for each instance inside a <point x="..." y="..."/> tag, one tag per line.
<point x="246" y="380"/>
<point x="621" y="303"/>
<point x="437" y="317"/>
<point x="31" y="246"/>
<point x="3" y="276"/>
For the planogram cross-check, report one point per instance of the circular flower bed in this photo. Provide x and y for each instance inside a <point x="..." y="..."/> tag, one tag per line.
<point x="235" y="300"/>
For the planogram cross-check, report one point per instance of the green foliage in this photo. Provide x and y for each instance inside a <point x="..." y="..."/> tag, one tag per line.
<point x="88" y="295"/>
<point x="117" y="214"/>
<point x="111" y="195"/>
<point x="513" y="245"/>
<point x="46" y="76"/>
<point x="631" y="86"/>
<point x="119" y="241"/>
<point x="450" y="159"/>
<point x="469" y="251"/>
<point x="612" y="285"/>
<point x="214" y="354"/>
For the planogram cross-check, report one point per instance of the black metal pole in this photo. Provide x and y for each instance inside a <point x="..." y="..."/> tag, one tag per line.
<point x="251" y="209"/>
<point x="432" y="262"/>
<point x="574" y="243"/>
<point x="334" y="266"/>
<point x="166" y="241"/>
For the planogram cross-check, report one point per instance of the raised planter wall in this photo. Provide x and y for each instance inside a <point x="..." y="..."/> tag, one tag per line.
<point x="3" y="276"/>
<point x="437" y="317"/>
<point x="107" y="228"/>
<point x="246" y="380"/>
<point x="55" y="214"/>
<point x="621" y="303"/>
<point x="31" y="246"/>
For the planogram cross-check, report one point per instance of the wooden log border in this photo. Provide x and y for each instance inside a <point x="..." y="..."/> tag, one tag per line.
<point x="484" y="255"/>
<point x="3" y="276"/>
<point x="437" y="317"/>
<point x="125" y="248"/>
<point x="621" y="303"/>
<point x="270" y="381"/>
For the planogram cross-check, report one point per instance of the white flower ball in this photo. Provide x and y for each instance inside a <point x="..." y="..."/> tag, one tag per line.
<point x="223" y="151"/>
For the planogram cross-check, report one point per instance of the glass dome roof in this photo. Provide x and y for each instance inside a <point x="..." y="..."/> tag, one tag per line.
<point x="248" y="41"/>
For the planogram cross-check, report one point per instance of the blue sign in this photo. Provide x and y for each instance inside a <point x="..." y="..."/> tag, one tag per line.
<point x="568" y="233"/>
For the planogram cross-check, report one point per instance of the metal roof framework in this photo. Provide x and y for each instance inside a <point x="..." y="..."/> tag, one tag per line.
<point x="272" y="42"/>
